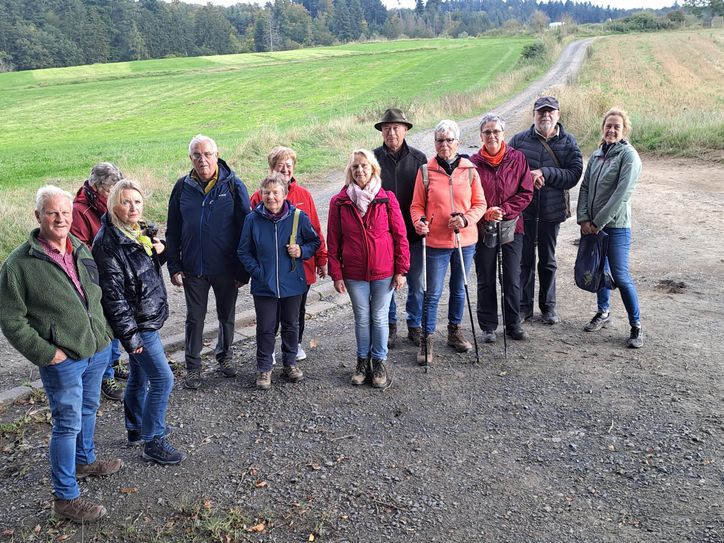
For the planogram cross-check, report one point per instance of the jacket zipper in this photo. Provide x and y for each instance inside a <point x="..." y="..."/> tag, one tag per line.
<point x="276" y="256"/>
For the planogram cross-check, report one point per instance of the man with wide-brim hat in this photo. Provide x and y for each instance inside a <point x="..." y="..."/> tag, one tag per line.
<point x="399" y="163"/>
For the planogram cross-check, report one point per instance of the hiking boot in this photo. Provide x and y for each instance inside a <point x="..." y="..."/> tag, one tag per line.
<point x="550" y="317"/>
<point x="120" y="370"/>
<point x="293" y="373"/>
<point x="227" y="367"/>
<point x="414" y="334"/>
<point x="392" y="339"/>
<point x="263" y="380"/>
<point x="162" y="452"/>
<point x="635" y="340"/>
<point x="78" y="510"/>
<point x="421" y="353"/>
<point x="599" y="320"/>
<point x="134" y="436"/>
<point x="489" y="336"/>
<point x="193" y="379"/>
<point x="99" y="468"/>
<point x="379" y="373"/>
<point x="516" y="333"/>
<point x="456" y="339"/>
<point x="301" y="355"/>
<point x="360" y="373"/>
<point x="112" y="390"/>
<point x="526" y="315"/>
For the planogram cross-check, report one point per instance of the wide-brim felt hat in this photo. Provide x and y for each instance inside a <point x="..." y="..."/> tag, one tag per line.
<point x="393" y="115"/>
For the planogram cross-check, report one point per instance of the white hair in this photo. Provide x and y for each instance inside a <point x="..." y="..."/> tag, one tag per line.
<point x="199" y="138"/>
<point x="492" y="117"/>
<point x="445" y="126"/>
<point x="46" y="193"/>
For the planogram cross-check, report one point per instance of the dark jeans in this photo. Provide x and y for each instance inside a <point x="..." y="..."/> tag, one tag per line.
<point x="302" y="315"/>
<point x="268" y="309"/>
<point x="196" y="290"/>
<point x="547" y="234"/>
<point x="486" y="268"/>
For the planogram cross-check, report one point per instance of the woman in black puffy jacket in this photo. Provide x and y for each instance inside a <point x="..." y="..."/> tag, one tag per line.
<point x="129" y="258"/>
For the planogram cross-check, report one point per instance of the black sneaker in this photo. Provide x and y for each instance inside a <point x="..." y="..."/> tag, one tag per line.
<point x="227" y="367"/>
<point x="193" y="379"/>
<point x="489" y="336"/>
<point x="550" y="317"/>
<point x="635" y="340"/>
<point x="516" y="333"/>
<point x="599" y="320"/>
<point x="134" y="436"/>
<point x="112" y="390"/>
<point x="120" y="370"/>
<point x="162" y="452"/>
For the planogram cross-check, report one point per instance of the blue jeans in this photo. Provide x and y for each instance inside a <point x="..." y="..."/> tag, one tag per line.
<point x="437" y="264"/>
<point x="619" y="245"/>
<point x="413" y="306"/>
<point x="149" y="384"/>
<point x="370" y="303"/>
<point x="73" y="388"/>
<point x="115" y="356"/>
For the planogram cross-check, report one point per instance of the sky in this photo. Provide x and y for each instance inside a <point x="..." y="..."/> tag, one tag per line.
<point x="626" y="4"/>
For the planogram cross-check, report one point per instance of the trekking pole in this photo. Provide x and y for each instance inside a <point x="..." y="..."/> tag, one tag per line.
<point x="424" y="295"/>
<point x="502" y="288"/>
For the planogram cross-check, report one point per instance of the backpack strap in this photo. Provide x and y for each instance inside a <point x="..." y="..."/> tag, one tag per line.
<point x="293" y="236"/>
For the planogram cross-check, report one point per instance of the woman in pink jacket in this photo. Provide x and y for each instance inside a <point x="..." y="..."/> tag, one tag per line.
<point x="448" y="195"/>
<point x="368" y="255"/>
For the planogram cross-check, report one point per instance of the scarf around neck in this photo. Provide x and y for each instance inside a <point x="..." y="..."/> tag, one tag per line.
<point x="137" y="234"/>
<point x="362" y="198"/>
<point x="95" y="200"/>
<point x="497" y="158"/>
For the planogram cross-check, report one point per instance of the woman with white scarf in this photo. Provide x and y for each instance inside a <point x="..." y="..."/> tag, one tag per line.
<point x="368" y="255"/>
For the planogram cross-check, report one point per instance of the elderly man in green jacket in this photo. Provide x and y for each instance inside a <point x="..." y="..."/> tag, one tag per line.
<point x="50" y="311"/>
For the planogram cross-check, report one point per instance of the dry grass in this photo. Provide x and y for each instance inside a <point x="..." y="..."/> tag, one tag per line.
<point x="670" y="84"/>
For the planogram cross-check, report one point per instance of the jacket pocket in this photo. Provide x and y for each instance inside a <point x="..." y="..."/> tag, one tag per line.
<point x="92" y="269"/>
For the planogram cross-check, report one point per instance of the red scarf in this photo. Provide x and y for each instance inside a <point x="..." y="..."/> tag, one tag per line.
<point x="493" y="160"/>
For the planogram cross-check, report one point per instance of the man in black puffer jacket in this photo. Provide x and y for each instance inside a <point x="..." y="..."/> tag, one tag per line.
<point x="556" y="164"/>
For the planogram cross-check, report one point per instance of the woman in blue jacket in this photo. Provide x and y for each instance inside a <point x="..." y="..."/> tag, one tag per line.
<point x="275" y="239"/>
<point x="604" y="203"/>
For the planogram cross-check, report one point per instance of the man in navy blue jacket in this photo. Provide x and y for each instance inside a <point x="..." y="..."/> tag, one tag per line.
<point x="206" y="213"/>
<point x="556" y="165"/>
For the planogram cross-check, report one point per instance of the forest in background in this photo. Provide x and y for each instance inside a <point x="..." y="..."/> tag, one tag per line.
<point x="55" y="33"/>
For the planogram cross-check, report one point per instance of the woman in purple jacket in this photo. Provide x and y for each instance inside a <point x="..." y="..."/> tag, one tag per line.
<point x="368" y="255"/>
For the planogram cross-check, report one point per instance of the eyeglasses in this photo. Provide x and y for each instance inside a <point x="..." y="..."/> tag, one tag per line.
<point x="489" y="133"/>
<point x="207" y="154"/>
<point x="444" y="140"/>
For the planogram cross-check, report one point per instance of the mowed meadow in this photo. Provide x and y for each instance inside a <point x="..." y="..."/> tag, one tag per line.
<point x="141" y="115"/>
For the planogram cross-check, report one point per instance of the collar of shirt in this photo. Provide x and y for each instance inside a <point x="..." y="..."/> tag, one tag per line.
<point x="553" y="136"/>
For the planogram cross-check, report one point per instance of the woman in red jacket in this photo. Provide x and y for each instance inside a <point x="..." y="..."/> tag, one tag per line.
<point x="283" y="160"/>
<point x="368" y="257"/>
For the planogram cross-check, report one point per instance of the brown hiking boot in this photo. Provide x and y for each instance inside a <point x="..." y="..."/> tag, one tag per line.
<point x="293" y="373"/>
<point x="263" y="380"/>
<point x="99" y="468"/>
<point x="392" y="338"/>
<point x="421" y="353"/>
<point x="379" y="373"/>
<point x="360" y="373"/>
<point x="78" y="510"/>
<point x="456" y="339"/>
<point x="414" y="334"/>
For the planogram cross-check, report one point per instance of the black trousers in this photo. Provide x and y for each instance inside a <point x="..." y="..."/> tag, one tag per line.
<point x="546" y="234"/>
<point x="486" y="268"/>
<point x="268" y="310"/>
<point x="196" y="291"/>
<point x="302" y="315"/>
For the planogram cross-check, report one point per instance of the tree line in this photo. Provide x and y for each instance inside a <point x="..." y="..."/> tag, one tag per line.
<point x="53" y="33"/>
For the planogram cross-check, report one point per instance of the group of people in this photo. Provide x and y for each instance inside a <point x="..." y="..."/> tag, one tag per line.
<point x="88" y="280"/>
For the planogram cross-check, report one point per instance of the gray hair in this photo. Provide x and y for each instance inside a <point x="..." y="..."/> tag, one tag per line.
<point x="274" y="178"/>
<point x="48" y="192"/>
<point x="198" y="138"/>
<point x="114" y="198"/>
<point x="446" y="125"/>
<point x="490" y="116"/>
<point x="104" y="175"/>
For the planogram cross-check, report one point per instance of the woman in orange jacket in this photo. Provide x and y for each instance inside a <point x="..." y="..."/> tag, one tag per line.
<point x="449" y="197"/>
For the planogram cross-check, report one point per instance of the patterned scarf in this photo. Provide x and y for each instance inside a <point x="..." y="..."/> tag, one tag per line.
<point x="136" y="233"/>
<point x="95" y="200"/>
<point x="362" y="198"/>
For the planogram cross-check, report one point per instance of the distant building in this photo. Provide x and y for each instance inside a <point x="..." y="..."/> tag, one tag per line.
<point x="556" y="24"/>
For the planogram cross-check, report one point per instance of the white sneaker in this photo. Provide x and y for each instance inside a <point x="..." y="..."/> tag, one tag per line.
<point x="301" y="355"/>
<point x="274" y="358"/>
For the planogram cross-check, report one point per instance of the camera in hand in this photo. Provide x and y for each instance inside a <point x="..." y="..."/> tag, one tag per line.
<point x="151" y="230"/>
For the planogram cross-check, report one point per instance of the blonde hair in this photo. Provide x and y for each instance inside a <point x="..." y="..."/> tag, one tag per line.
<point x="369" y="155"/>
<point x="280" y="153"/>
<point x="114" y="198"/>
<point x="624" y="116"/>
